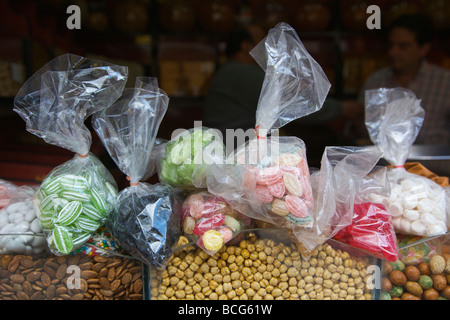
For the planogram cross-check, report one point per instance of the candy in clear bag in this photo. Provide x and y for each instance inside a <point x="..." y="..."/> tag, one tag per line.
<point x="143" y="219"/>
<point x="417" y="204"/>
<point x="75" y="198"/>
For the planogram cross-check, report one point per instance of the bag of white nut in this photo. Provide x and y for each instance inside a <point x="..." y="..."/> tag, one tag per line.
<point x="20" y="230"/>
<point x="417" y="204"/>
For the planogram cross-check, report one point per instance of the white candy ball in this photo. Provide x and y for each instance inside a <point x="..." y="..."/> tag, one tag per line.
<point x="409" y="201"/>
<point x="418" y="228"/>
<point x="35" y="226"/>
<point x="405" y="225"/>
<point x="411" y="215"/>
<point x="427" y="218"/>
<point x="395" y="209"/>
<point x="425" y="205"/>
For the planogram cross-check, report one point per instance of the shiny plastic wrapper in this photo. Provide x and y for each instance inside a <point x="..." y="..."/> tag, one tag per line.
<point x="416" y="203"/>
<point x="267" y="178"/>
<point x="74" y="199"/>
<point x="335" y="187"/>
<point x="143" y="220"/>
<point x="371" y="228"/>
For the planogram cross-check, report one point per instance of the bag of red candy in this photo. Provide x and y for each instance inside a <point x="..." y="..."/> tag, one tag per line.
<point x="371" y="229"/>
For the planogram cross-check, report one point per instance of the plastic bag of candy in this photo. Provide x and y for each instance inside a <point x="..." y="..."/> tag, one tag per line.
<point x="210" y="221"/>
<point x="267" y="177"/>
<point x="417" y="204"/>
<point x="185" y="158"/>
<point x="143" y="219"/>
<point x="20" y="230"/>
<point x="335" y="187"/>
<point x="371" y="228"/>
<point x="75" y="197"/>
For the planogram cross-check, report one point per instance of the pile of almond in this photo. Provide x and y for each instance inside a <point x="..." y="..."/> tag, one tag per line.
<point x="70" y="278"/>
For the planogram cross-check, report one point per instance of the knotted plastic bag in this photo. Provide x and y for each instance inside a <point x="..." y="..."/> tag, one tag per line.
<point x="75" y="197"/>
<point x="393" y="119"/>
<point x="268" y="178"/>
<point x="334" y="187"/>
<point x="142" y="220"/>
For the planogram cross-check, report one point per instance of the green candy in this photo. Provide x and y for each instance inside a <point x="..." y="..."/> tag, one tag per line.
<point x="62" y="239"/>
<point x="81" y="238"/>
<point x="72" y="182"/>
<point x="75" y="196"/>
<point x="97" y="200"/>
<point x="426" y="282"/>
<point x="86" y="224"/>
<point x="47" y="203"/>
<point x="92" y="212"/>
<point x="70" y="213"/>
<point x="396" y="291"/>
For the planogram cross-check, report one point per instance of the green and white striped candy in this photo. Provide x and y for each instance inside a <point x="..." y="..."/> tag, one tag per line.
<point x="59" y="203"/>
<point x="86" y="224"/>
<point x="81" y="238"/>
<point x="75" y="196"/>
<point x="71" y="182"/>
<point x="47" y="203"/>
<point x="51" y="185"/>
<point x="97" y="200"/>
<point x="46" y="220"/>
<point x="111" y="189"/>
<point x="70" y="213"/>
<point x="40" y="194"/>
<point x="92" y="212"/>
<point x="62" y="240"/>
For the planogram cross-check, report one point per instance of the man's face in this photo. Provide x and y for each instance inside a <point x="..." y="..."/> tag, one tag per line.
<point x="405" y="52"/>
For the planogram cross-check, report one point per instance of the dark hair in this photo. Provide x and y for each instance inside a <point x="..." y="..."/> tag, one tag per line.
<point x="235" y="39"/>
<point x="420" y="25"/>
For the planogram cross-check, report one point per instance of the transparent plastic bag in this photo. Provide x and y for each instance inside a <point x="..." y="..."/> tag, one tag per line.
<point x="268" y="178"/>
<point x="185" y="159"/>
<point x="335" y="187"/>
<point x="20" y="230"/>
<point x="75" y="197"/>
<point x="210" y="221"/>
<point x="393" y="120"/>
<point x="142" y="219"/>
<point x="371" y="228"/>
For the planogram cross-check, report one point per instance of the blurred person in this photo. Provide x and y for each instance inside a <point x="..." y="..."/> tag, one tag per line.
<point x="233" y="94"/>
<point x="409" y="39"/>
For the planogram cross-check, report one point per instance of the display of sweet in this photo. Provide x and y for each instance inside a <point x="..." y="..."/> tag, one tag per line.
<point x="210" y="221"/>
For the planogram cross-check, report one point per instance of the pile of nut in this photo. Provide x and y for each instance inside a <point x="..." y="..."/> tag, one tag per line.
<point x="423" y="281"/>
<point x="70" y="278"/>
<point x="261" y="269"/>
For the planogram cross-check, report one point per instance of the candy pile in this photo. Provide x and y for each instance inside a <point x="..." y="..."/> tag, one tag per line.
<point x="185" y="157"/>
<point x="416" y="207"/>
<point x="72" y="207"/>
<point x="101" y="243"/>
<point x="283" y="186"/>
<point x="20" y="231"/>
<point x="211" y="221"/>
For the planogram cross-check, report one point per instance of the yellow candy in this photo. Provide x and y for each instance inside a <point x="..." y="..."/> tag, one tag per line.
<point x="279" y="207"/>
<point x="212" y="240"/>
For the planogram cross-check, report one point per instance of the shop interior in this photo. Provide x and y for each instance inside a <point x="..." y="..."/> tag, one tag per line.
<point x="182" y="43"/>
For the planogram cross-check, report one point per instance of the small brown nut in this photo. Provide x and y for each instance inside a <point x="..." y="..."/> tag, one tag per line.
<point x="439" y="281"/>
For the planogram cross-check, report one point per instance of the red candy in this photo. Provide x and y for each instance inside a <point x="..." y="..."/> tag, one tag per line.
<point x="206" y="224"/>
<point x="263" y="194"/>
<point x="277" y="189"/>
<point x="269" y="175"/>
<point x="371" y="230"/>
<point x="296" y="206"/>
